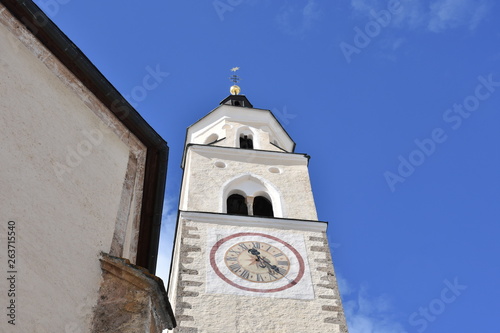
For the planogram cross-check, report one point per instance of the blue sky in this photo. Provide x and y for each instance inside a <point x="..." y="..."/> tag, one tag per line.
<point x="397" y="102"/>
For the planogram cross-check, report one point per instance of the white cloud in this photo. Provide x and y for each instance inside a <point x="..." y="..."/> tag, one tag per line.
<point x="397" y="43"/>
<point x="479" y="14"/>
<point x="413" y="14"/>
<point x="168" y="222"/>
<point x="445" y="14"/>
<point x="297" y="19"/>
<point x="344" y="287"/>
<point x="434" y="16"/>
<point x="368" y="314"/>
<point x="364" y="6"/>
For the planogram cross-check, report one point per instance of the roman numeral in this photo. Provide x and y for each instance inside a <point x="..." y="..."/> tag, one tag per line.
<point x="278" y="255"/>
<point x="282" y="263"/>
<point x="268" y="248"/>
<point x="234" y="251"/>
<point x="235" y="267"/>
<point x="231" y="258"/>
<point x="259" y="278"/>
<point x="281" y="271"/>
<point x="243" y="246"/>
<point x="245" y="274"/>
<point x="256" y="245"/>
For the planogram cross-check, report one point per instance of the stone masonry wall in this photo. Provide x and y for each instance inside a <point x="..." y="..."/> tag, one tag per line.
<point x="198" y="311"/>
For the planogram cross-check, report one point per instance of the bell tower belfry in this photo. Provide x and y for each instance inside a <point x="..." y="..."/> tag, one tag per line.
<point x="250" y="254"/>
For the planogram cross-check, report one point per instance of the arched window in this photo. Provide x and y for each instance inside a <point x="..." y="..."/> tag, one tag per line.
<point x="236" y="205"/>
<point x="262" y="207"/>
<point x="259" y="195"/>
<point x="246" y="142"/>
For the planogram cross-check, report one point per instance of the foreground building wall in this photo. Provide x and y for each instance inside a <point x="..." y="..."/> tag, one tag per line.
<point x="73" y="177"/>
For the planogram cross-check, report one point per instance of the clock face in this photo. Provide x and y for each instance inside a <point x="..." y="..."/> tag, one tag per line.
<point x="257" y="262"/>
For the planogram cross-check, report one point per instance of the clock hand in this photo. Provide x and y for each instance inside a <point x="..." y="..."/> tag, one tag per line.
<point x="261" y="259"/>
<point x="254" y="252"/>
<point x="267" y="263"/>
<point x="273" y="269"/>
<point x="257" y="254"/>
<point x="270" y="267"/>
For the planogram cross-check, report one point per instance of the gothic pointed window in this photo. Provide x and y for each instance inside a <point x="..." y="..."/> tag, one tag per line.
<point x="246" y="142"/>
<point x="262" y="207"/>
<point x="236" y="205"/>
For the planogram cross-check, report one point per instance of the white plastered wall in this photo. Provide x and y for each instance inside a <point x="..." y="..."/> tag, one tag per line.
<point x="228" y="133"/>
<point x="210" y="170"/>
<point x="218" y="312"/>
<point x="227" y="123"/>
<point x="64" y="159"/>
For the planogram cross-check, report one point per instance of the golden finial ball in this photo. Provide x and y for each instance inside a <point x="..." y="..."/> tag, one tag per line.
<point x="235" y="90"/>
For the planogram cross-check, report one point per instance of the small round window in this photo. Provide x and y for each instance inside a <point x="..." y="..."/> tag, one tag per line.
<point x="274" y="170"/>
<point x="211" y="138"/>
<point x="220" y="164"/>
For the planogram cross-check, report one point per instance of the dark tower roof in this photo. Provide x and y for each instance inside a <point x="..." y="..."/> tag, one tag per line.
<point x="237" y="100"/>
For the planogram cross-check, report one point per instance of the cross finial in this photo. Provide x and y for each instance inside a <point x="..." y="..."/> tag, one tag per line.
<point x="235" y="90"/>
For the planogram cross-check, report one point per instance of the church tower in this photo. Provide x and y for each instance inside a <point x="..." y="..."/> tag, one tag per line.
<point x="250" y="254"/>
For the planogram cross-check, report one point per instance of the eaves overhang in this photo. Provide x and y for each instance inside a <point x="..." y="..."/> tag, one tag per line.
<point x="254" y="221"/>
<point x="250" y="155"/>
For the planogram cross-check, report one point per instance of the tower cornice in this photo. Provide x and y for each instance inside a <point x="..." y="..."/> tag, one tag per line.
<point x="253" y="156"/>
<point x="254" y="221"/>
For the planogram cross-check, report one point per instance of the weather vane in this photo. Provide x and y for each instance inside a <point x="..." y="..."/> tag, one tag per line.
<point x="235" y="90"/>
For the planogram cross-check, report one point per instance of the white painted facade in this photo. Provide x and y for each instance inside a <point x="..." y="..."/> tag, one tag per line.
<point x="212" y="173"/>
<point x="71" y="180"/>
<point x="227" y="123"/>
<point x="205" y="294"/>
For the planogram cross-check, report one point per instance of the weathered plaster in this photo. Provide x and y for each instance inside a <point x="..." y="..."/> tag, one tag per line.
<point x="199" y="311"/>
<point x="130" y="300"/>
<point x="72" y="178"/>
<point x="204" y="185"/>
<point x="214" y="170"/>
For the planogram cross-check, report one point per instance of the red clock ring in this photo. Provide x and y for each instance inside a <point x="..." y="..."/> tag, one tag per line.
<point x="223" y="277"/>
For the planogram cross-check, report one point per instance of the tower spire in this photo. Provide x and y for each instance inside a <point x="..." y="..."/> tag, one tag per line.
<point x="235" y="90"/>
